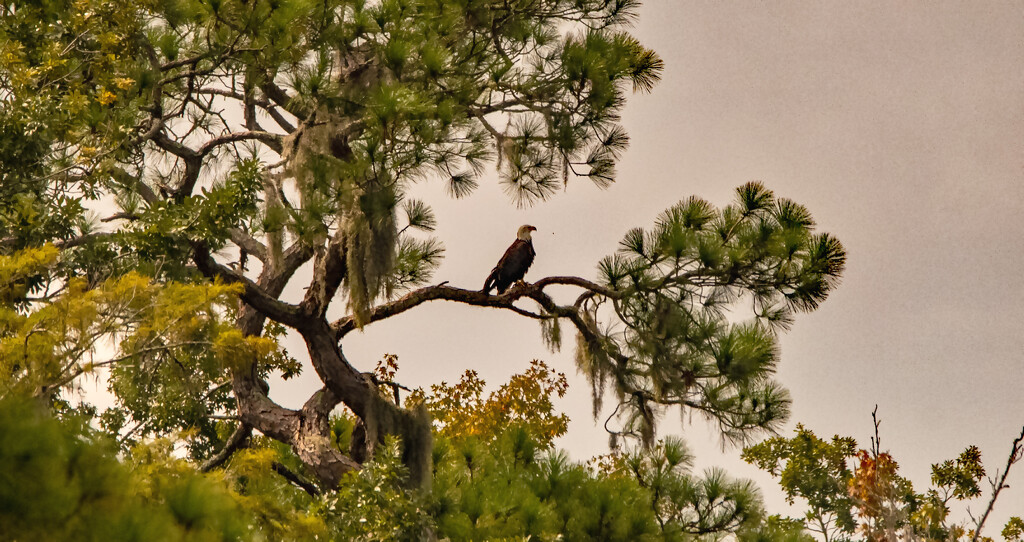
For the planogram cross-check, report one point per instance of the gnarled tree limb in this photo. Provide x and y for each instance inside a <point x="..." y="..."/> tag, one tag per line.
<point x="253" y="294"/>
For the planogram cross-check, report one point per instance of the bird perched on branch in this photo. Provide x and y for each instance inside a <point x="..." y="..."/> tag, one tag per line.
<point x="513" y="264"/>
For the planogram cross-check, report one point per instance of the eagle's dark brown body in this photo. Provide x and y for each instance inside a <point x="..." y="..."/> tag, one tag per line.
<point x="513" y="264"/>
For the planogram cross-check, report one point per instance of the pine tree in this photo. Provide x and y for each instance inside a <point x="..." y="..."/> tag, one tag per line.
<point x="242" y="139"/>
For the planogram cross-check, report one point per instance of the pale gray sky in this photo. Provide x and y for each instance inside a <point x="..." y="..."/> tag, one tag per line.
<point x="899" y="124"/>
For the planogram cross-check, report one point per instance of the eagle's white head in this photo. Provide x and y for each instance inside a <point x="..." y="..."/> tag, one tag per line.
<point x="524" y="232"/>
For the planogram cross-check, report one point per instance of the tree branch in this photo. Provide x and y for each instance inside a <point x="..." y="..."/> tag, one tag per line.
<point x="295" y="479"/>
<point x="253" y="294"/>
<point x="266" y="105"/>
<point x="441" y="291"/>
<point x="194" y="158"/>
<point x="249" y="244"/>
<point x="581" y="282"/>
<point x="161" y="140"/>
<point x="343" y="383"/>
<point x="534" y="291"/>
<point x="236" y="441"/>
<point x="120" y="216"/>
<point x="269" y="139"/>
<point x="141" y="188"/>
<point x="282" y="99"/>
<point x="1016" y="452"/>
<point x="328" y="272"/>
<point x="82" y="239"/>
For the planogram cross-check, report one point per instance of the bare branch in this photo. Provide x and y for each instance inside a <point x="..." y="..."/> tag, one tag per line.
<point x="177" y="149"/>
<point x="505" y="301"/>
<point x="186" y="61"/>
<point x="226" y="93"/>
<point x="430" y="293"/>
<point x="236" y="441"/>
<point x="120" y="216"/>
<point x="581" y="282"/>
<point x="269" y="139"/>
<point x="282" y="99"/>
<point x="279" y="119"/>
<point x="342" y="381"/>
<point x="266" y="105"/>
<point x="82" y="239"/>
<point x="249" y="244"/>
<point x="1016" y="452"/>
<point x="253" y="294"/>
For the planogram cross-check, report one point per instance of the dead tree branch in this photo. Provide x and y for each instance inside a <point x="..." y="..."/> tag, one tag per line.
<point x="1016" y="452"/>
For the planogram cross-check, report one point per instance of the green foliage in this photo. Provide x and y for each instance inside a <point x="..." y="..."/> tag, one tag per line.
<point x="815" y="470"/>
<point x="375" y="504"/>
<point x="62" y="67"/>
<point x="960" y="477"/>
<point x="676" y="284"/>
<point x="124" y="101"/>
<point x="952" y="479"/>
<point x="510" y="489"/>
<point x="415" y="262"/>
<point x="279" y="509"/>
<point x="688" y="505"/>
<point x="1013" y="530"/>
<point x="497" y="477"/>
<point x="208" y="216"/>
<point x="61" y="481"/>
<point x="776" y="529"/>
<point x="173" y="346"/>
<point x="22" y="273"/>
<point x="285" y="131"/>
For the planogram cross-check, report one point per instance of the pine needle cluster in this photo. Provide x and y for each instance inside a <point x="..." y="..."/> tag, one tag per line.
<point x="699" y="300"/>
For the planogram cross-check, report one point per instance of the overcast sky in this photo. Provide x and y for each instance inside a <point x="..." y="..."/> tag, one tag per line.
<point x="898" y="124"/>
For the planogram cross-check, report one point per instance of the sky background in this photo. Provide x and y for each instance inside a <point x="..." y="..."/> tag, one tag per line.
<point x="898" y="124"/>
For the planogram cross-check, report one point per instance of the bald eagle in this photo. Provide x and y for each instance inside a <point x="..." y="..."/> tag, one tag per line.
<point x="513" y="265"/>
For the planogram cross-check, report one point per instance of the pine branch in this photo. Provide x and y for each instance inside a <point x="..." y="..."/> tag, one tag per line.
<point x="283" y="100"/>
<point x="442" y="291"/>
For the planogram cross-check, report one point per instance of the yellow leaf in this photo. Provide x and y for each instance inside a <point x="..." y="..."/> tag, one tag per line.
<point x="105" y="97"/>
<point x="124" y="83"/>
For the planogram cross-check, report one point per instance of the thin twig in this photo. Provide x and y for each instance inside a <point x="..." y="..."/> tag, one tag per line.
<point x="876" y="441"/>
<point x="1016" y="451"/>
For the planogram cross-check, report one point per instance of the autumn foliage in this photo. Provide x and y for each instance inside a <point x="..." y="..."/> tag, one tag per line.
<point x="877" y="492"/>
<point x="527" y="399"/>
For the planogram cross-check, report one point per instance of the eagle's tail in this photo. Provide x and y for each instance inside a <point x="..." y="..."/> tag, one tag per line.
<point x="491" y="282"/>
